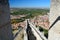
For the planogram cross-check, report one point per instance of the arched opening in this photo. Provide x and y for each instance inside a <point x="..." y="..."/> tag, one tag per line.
<point x="20" y="10"/>
<point x="35" y="10"/>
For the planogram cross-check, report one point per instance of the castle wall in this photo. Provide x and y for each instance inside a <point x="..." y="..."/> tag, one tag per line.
<point x="5" y="26"/>
<point x="54" y="16"/>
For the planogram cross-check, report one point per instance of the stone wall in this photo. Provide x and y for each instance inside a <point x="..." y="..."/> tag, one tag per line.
<point x="54" y="31"/>
<point x="5" y="26"/>
<point x="54" y="10"/>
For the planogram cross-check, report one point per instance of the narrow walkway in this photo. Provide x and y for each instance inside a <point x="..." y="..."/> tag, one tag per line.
<point x="36" y="34"/>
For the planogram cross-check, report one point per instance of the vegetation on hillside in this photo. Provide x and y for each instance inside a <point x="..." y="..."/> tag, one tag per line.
<point x="17" y="20"/>
<point x="30" y="13"/>
<point x="33" y="12"/>
<point x="44" y="30"/>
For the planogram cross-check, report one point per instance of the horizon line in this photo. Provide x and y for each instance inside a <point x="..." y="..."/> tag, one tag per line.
<point x="30" y="7"/>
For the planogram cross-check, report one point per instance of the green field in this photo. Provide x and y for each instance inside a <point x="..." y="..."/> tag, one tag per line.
<point x="29" y="11"/>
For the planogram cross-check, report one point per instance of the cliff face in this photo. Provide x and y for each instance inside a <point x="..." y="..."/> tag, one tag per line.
<point x="5" y="26"/>
<point x="54" y="17"/>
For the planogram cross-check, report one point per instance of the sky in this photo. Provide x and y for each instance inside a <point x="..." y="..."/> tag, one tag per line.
<point x="29" y="3"/>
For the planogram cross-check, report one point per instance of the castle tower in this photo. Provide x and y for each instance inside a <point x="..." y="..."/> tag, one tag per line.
<point x="5" y="26"/>
<point x="54" y="18"/>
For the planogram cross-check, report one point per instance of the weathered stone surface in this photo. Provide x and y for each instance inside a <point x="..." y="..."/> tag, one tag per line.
<point x="5" y="26"/>
<point x="54" y="32"/>
<point x="4" y="13"/>
<point x="20" y="35"/>
<point x="54" y="10"/>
